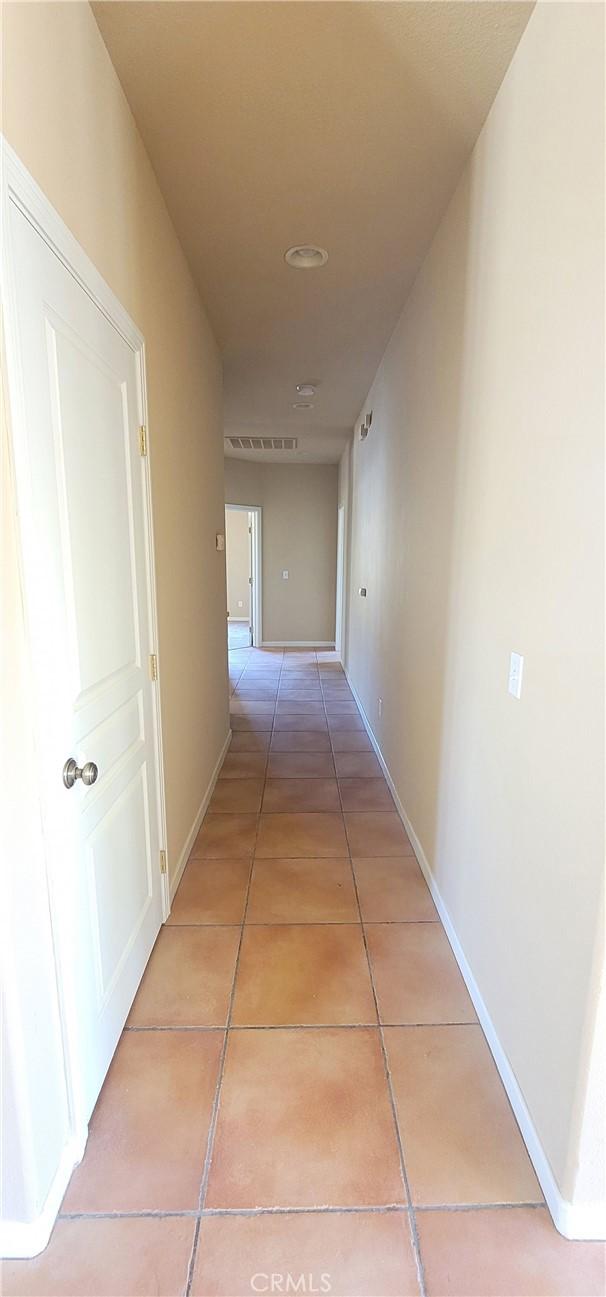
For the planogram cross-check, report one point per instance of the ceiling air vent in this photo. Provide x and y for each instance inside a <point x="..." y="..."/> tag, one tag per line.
<point x="262" y="443"/>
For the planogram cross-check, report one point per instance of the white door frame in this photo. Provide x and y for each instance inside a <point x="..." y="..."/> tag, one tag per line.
<point x="19" y="188"/>
<point x="256" y="603"/>
<point x="340" y="591"/>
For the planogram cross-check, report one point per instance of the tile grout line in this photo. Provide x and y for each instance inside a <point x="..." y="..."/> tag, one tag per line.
<point x="411" y="1212"/>
<point x="217" y="1099"/>
<point x="375" y="1209"/>
<point x="301" y="923"/>
<point x="305" y="1026"/>
<point x="215" y="1108"/>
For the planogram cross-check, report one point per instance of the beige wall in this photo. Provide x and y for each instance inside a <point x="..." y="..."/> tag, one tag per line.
<point x="299" y="503"/>
<point x="237" y="563"/>
<point x="478" y="530"/>
<point x="67" y="118"/>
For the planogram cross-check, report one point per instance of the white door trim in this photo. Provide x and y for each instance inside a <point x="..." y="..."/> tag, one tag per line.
<point x="256" y="513"/>
<point x="340" y="590"/>
<point x="18" y="187"/>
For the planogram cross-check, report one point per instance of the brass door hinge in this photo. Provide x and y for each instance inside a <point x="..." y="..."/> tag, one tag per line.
<point x="163" y="865"/>
<point x="143" y="440"/>
<point x="153" y="666"/>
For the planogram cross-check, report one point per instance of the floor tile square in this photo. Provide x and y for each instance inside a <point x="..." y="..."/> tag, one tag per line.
<point x="300" y="741"/>
<point x="147" y="1136"/>
<point x="304" y="1120"/>
<point x="416" y="975"/>
<point x="341" y="708"/>
<point x="302" y="975"/>
<point x="301" y="795"/>
<point x="363" y="1253"/>
<point x="239" y="708"/>
<point x="261" y="722"/>
<point x="377" y="833"/>
<point x="249" y="741"/>
<point x="300" y="765"/>
<point x="302" y="891"/>
<point x="285" y="721"/>
<point x="392" y="889"/>
<point x="188" y="980"/>
<point x="306" y="834"/>
<point x="211" y="891"/>
<point x="500" y="1253"/>
<point x="99" y="1258"/>
<point x="350" y="741"/>
<point x="301" y="680"/>
<point x="348" y="723"/>
<point x="237" y="795"/>
<point x="300" y="693"/>
<point x="460" y="1137"/>
<point x="261" y="682"/>
<point x="365" y="795"/>
<point x="300" y="707"/>
<point x="225" y="835"/>
<point x="247" y="692"/>
<point x="357" y="765"/>
<point x="243" y="765"/>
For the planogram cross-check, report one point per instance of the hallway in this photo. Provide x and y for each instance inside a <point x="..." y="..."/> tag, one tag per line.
<point x="349" y="1126"/>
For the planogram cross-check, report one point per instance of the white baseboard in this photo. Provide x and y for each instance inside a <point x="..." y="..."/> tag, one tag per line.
<point x="175" y="878"/>
<point x="573" y="1220"/>
<point x="298" y="643"/>
<point x="23" y="1239"/>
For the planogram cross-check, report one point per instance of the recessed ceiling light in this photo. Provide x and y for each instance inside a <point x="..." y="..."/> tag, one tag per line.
<point x="302" y="405"/>
<point x="306" y="389"/>
<point x="306" y="257"/>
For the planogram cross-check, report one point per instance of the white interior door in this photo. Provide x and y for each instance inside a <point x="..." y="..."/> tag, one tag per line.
<point x="82" y="496"/>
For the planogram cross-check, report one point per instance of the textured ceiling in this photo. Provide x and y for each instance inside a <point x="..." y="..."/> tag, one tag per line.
<point x="341" y="124"/>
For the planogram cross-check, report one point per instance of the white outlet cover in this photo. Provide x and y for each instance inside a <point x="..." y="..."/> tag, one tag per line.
<point x="516" y="670"/>
<point x="285" y="574"/>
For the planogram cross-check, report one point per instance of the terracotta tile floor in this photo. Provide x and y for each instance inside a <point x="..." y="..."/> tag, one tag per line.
<point x="302" y="1087"/>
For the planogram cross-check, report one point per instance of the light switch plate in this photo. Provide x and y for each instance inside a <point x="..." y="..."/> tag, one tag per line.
<point x="285" y="574"/>
<point x="220" y="541"/>
<point x="516" y="668"/>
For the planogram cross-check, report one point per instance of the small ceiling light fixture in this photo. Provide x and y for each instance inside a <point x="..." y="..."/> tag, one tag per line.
<point x="306" y="257"/>
<point x="306" y="389"/>
<point x="302" y="405"/>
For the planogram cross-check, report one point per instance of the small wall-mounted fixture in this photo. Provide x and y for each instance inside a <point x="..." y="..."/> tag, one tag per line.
<point x="362" y="591"/>
<point x="220" y="541"/>
<point x="365" y="425"/>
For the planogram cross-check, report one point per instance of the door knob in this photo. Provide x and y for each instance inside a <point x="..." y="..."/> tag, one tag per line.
<point x="87" y="773"/>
